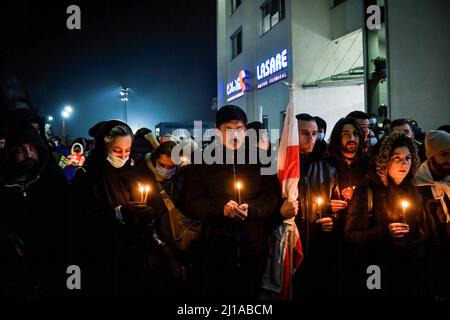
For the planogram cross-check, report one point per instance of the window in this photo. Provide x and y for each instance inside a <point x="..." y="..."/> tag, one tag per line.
<point x="234" y="5"/>
<point x="272" y="11"/>
<point x="265" y="120"/>
<point x="236" y="43"/>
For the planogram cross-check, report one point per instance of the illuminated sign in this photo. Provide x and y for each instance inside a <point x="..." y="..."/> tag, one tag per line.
<point x="274" y="79"/>
<point x="272" y="65"/>
<point x="237" y="87"/>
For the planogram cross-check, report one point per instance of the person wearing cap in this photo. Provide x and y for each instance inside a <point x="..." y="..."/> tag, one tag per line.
<point x="433" y="180"/>
<point x="236" y="224"/>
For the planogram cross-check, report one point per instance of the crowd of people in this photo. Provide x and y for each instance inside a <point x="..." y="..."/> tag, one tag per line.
<point x="141" y="225"/>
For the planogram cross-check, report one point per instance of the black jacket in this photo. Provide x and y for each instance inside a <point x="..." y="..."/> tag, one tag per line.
<point x="210" y="187"/>
<point x="175" y="188"/>
<point x="235" y="252"/>
<point x="317" y="276"/>
<point x="403" y="258"/>
<point x="317" y="179"/>
<point x="34" y="215"/>
<point x="441" y="262"/>
<point x="354" y="174"/>
<point x="111" y="254"/>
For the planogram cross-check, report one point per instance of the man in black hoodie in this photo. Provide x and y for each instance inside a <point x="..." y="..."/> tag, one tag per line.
<point x="33" y="194"/>
<point x="236" y="221"/>
<point x="347" y="156"/>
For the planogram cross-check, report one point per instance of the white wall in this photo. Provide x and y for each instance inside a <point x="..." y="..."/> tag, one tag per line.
<point x="419" y="60"/>
<point x="329" y="103"/>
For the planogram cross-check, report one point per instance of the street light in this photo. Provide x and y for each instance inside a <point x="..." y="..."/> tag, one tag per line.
<point x="124" y="99"/>
<point x="65" y="114"/>
<point x="68" y="108"/>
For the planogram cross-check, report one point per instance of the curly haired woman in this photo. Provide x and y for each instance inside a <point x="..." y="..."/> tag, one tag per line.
<point x="387" y="222"/>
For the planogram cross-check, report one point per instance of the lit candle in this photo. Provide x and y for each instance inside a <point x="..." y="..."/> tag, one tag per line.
<point x="147" y="189"/>
<point x="141" y="190"/>
<point x="347" y="193"/>
<point x="405" y="206"/>
<point x="238" y="187"/>
<point x="319" y="204"/>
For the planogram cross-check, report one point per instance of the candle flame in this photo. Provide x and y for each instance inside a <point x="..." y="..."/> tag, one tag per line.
<point x="147" y="188"/>
<point x="141" y="189"/>
<point x="319" y="201"/>
<point x="238" y="185"/>
<point x="405" y="204"/>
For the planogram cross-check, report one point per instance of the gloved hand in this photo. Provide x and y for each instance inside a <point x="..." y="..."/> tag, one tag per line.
<point x="137" y="212"/>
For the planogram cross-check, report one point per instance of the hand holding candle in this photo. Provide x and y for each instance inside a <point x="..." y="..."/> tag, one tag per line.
<point x="235" y="211"/>
<point x="399" y="229"/>
<point x="327" y="222"/>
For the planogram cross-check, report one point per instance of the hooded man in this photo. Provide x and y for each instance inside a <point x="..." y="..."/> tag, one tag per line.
<point x="33" y="192"/>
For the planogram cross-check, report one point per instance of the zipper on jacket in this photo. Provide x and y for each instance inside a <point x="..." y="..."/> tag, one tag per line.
<point x="23" y="186"/>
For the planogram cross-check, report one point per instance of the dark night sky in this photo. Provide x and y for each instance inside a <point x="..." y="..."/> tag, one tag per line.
<point x="164" y="51"/>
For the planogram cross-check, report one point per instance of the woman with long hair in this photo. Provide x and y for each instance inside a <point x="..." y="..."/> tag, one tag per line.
<point x="388" y="223"/>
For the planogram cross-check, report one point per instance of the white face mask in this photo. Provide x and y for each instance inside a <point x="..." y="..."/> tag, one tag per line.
<point x="320" y="136"/>
<point x="116" y="162"/>
<point x="164" y="172"/>
<point x="373" y="141"/>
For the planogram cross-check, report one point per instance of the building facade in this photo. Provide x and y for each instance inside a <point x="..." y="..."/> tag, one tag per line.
<point x="328" y="50"/>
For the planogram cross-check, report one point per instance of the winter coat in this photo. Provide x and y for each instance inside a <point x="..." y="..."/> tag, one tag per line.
<point x="437" y="204"/>
<point x="34" y="215"/>
<point x="115" y="257"/>
<point x="317" y="179"/>
<point x="403" y="261"/>
<point x="354" y="174"/>
<point x="234" y="252"/>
